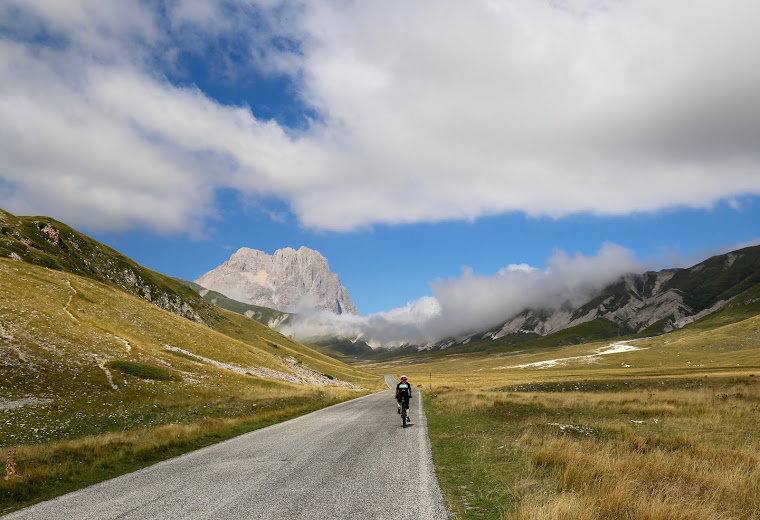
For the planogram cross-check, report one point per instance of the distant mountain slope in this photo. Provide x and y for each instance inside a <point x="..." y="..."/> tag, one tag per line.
<point x="720" y="290"/>
<point x="669" y="299"/>
<point x="270" y="317"/>
<point x="643" y="304"/>
<point x="285" y="280"/>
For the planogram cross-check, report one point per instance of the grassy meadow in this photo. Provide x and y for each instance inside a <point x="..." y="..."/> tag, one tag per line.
<point x="668" y="431"/>
<point x="95" y="382"/>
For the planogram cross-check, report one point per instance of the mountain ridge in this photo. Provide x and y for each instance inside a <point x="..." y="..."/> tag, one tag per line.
<point x="283" y="281"/>
<point x="723" y="287"/>
<point x="650" y="303"/>
<point x="272" y="318"/>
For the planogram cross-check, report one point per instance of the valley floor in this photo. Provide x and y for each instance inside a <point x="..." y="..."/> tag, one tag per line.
<point x="660" y="429"/>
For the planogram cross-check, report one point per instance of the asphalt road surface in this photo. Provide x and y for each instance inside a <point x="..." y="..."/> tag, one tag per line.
<point x="352" y="460"/>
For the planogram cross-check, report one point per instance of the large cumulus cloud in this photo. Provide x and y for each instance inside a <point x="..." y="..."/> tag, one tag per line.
<point x="417" y="112"/>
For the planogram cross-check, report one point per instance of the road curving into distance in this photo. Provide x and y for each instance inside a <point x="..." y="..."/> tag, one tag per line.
<point x="349" y="461"/>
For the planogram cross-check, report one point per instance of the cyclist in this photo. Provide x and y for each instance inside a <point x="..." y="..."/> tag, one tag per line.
<point x="403" y="391"/>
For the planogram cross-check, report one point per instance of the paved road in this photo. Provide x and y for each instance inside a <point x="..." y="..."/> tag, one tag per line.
<point x="352" y="460"/>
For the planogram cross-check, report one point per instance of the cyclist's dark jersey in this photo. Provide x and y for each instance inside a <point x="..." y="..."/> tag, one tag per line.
<point x="403" y="391"/>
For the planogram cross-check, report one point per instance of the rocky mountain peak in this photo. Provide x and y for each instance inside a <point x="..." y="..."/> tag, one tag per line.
<point x="285" y="280"/>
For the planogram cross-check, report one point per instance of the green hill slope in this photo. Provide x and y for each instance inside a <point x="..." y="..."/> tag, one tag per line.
<point x="65" y="338"/>
<point x="48" y="243"/>
<point x="719" y="278"/>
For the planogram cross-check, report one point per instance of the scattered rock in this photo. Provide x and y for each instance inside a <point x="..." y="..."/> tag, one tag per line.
<point x="26" y="401"/>
<point x="54" y="237"/>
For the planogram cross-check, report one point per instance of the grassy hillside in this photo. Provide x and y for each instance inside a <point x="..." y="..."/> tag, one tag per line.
<point x="666" y="431"/>
<point x="95" y="381"/>
<point x="48" y="243"/>
<point x="719" y="278"/>
<point x="741" y="307"/>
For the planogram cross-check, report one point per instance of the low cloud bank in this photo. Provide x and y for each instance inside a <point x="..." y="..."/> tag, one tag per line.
<point x="472" y="302"/>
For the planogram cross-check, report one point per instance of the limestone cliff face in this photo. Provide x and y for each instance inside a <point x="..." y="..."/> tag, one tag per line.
<point x="286" y="280"/>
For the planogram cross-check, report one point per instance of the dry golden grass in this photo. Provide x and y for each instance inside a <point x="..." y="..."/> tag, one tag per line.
<point x="641" y="477"/>
<point x="691" y="454"/>
<point x="666" y="432"/>
<point x="49" y="469"/>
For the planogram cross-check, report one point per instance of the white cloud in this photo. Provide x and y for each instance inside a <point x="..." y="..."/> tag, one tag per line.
<point x="473" y="303"/>
<point x="65" y="151"/>
<point x="426" y="111"/>
<point x="532" y="108"/>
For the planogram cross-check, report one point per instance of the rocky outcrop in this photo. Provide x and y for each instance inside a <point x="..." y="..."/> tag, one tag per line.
<point x="286" y="280"/>
<point x="653" y="302"/>
<point x="636" y="302"/>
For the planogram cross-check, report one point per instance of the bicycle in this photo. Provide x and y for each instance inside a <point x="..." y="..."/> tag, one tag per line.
<point x="404" y="418"/>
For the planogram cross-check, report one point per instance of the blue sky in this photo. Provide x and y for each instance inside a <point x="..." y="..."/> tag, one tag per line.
<point x="406" y="142"/>
<point x="389" y="266"/>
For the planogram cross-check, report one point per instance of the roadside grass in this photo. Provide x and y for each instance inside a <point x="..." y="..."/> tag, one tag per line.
<point x="49" y="469"/>
<point x="668" y="450"/>
<point x="666" y="432"/>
